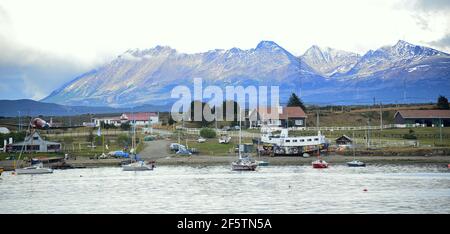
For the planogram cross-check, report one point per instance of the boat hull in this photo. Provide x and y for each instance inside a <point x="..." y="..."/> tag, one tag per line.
<point x="319" y="164"/>
<point x="356" y="164"/>
<point x="141" y="168"/>
<point x="237" y="167"/>
<point x="33" y="171"/>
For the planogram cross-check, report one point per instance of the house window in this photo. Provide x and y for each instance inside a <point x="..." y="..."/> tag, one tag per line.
<point x="299" y="122"/>
<point x="309" y="139"/>
<point x="288" y="140"/>
<point x="316" y="139"/>
<point x="294" y="140"/>
<point x="35" y="138"/>
<point x="302" y="140"/>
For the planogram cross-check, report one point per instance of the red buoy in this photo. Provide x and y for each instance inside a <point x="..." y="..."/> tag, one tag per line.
<point x="365" y="190"/>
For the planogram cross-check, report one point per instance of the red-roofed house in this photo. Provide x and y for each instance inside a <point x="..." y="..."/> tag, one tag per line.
<point x="141" y="118"/>
<point x="278" y="117"/>
<point x="430" y="118"/>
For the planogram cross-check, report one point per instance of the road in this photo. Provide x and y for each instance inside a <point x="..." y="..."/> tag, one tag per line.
<point x="155" y="149"/>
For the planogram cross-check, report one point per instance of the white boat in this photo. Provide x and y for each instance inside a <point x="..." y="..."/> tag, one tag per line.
<point x="356" y="163"/>
<point x="34" y="169"/>
<point x="244" y="163"/>
<point x="138" y="166"/>
<point x="283" y="144"/>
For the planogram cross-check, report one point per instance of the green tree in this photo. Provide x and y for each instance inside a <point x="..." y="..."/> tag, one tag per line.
<point x="442" y="103"/>
<point x="294" y="100"/>
<point x="207" y="133"/>
<point x="125" y="126"/>
<point x="231" y="106"/>
<point x="204" y="106"/>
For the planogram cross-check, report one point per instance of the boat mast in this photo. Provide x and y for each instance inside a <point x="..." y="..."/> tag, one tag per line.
<point x="240" y="133"/>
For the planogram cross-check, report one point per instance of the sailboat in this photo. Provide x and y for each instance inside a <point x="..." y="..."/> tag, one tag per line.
<point x="34" y="169"/>
<point x="319" y="163"/>
<point x="354" y="162"/>
<point x="136" y="164"/>
<point x="244" y="163"/>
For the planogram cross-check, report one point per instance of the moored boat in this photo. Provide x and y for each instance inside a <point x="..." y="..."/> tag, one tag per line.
<point x="138" y="166"/>
<point x="356" y="163"/>
<point x="262" y="163"/>
<point x="34" y="169"/>
<point x="244" y="164"/>
<point x="319" y="164"/>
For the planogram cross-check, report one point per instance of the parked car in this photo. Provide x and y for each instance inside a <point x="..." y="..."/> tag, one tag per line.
<point x="224" y="139"/>
<point x="183" y="151"/>
<point x="226" y="128"/>
<point x="175" y="146"/>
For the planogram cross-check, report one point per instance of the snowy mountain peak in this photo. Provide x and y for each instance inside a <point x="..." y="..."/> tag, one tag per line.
<point x="328" y="61"/>
<point x="267" y="45"/>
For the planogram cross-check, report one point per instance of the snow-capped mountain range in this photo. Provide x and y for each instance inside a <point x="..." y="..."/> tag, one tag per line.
<point x="403" y="72"/>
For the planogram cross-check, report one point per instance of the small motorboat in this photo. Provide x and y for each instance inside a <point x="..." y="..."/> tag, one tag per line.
<point x="319" y="164"/>
<point x="34" y="169"/>
<point x="356" y="163"/>
<point x="243" y="165"/>
<point x="138" y="166"/>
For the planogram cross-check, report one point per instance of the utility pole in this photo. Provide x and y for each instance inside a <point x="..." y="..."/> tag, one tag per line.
<point x="381" y="116"/>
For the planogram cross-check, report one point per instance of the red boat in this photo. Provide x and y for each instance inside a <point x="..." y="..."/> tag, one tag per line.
<point x="319" y="164"/>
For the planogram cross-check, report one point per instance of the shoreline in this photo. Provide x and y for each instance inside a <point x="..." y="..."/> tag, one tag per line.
<point x="204" y="160"/>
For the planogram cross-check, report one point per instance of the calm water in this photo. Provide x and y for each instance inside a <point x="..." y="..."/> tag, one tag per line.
<point x="183" y="189"/>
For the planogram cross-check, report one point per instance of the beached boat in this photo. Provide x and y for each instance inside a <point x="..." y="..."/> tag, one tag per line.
<point x="319" y="163"/>
<point x="283" y="144"/>
<point x="1" y="170"/>
<point x="356" y="163"/>
<point x="34" y="169"/>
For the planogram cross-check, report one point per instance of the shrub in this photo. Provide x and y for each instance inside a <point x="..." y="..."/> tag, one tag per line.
<point x="207" y="133"/>
<point x="410" y="136"/>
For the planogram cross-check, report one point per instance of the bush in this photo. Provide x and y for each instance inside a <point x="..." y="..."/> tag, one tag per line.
<point x="124" y="140"/>
<point x="410" y="136"/>
<point x="207" y="133"/>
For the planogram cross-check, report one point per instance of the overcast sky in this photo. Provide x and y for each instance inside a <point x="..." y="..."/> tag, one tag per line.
<point x="46" y="43"/>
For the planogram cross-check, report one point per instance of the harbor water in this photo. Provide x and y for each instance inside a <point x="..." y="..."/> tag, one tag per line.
<point x="217" y="189"/>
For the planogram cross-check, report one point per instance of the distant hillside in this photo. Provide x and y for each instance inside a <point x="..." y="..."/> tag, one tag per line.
<point x="27" y="107"/>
